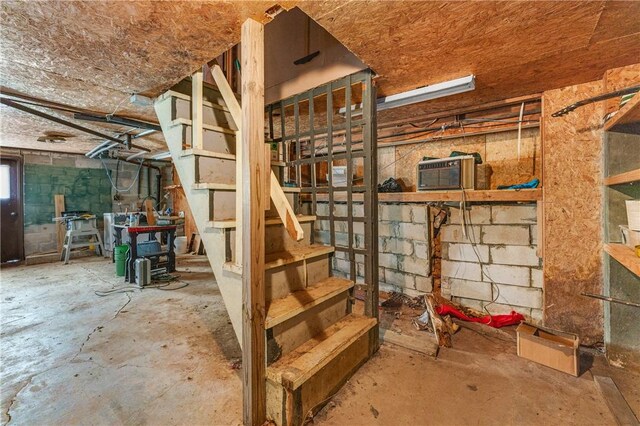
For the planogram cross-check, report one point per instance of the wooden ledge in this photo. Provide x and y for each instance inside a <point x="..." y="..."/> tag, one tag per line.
<point x="282" y="258"/>
<point x="270" y="221"/>
<point x="478" y="195"/>
<point x="625" y="256"/>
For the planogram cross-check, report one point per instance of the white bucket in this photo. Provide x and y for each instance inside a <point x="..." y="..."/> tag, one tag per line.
<point x="633" y="214"/>
<point x="181" y="245"/>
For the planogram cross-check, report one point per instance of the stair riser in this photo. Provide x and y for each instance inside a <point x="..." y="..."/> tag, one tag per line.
<point x="278" y="239"/>
<point x="222" y="205"/>
<point x="287" y="336"/>
<point x="214" y="170"/>
<point x="281" y="281"/>
<point x="210" y="115"/>
<point x="211" y="140"/>
<point x="286" y="407"/>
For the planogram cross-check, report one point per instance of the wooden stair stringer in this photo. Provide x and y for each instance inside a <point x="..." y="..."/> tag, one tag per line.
<point x="214" y="242"/>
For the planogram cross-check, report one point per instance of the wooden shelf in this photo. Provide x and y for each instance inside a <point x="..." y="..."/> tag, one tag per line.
<point x="488" y="196"/>
<point x="625" y="255"/>
<point x="627" y="177"/>
<point x="627" y="119"/>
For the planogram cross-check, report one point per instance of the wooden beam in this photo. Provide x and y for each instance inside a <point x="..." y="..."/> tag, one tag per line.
<point x="479" y="195"/>
<point x="253" y="224"/>
<point x="58" y="201"/>
<point x="236" y="114"/>
<point x="627" y="177"/>
<point x="196" y="110"/>
<point x="288" y="217"/>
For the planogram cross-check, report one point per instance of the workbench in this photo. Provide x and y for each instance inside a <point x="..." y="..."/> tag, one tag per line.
<point x="168" y="231"/>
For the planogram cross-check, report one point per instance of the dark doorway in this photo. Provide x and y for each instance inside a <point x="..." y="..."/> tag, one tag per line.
<point x="11" y="221"/>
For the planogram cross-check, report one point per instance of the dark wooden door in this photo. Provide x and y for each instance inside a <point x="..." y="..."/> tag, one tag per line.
<point x="11" y="222"/>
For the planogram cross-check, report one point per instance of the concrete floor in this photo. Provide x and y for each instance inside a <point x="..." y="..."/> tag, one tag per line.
<point x="167" y="357"/>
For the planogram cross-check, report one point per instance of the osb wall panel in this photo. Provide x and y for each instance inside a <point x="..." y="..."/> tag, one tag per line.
<point x="498" y="150"/>
<point x="180" y="203"/>
<point x="573" y="212"/>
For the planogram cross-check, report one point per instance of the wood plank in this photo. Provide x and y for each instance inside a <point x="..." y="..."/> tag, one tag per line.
<point x="253" y="245"/>
<point x="284" y="209"/>
<point x="628" y="114"/>
<point x="187" y="122"/>
<point x="208" y="154"/>
<point x="58" y="201"/>
<point x="214" y="186"/>
<point x="270" y="221"/>
<point x="280" y="310"/>
<point x="296" y="367"/>
<point x="227" y="94"/>
<point x="236" y="114"/>
<point x="615" y="401"/>
<point x="148" y="207"/>
<point x="625" y="255"/>
<point x="282" y="258"/>
<point x="423" y="345"/>
<point x="491" y="195"/>
<point x="196" y="110"/>
<point x="627" y="177"/>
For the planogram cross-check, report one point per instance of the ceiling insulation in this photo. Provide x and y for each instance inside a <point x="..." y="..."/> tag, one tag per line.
<point x="94" y="54"/>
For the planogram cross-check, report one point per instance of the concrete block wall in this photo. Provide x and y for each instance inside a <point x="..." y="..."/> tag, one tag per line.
<point x="403" y="245"/>
<point x="495" y="260"/>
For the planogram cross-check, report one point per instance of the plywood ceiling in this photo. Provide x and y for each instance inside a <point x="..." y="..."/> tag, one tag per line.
<point x="92" y="54"/>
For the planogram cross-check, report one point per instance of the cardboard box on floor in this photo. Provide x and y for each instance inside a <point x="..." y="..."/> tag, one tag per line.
<point x="555" y="349"/>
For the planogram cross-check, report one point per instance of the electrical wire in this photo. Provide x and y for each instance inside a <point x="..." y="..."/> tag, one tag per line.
<point x="113" y="185"/>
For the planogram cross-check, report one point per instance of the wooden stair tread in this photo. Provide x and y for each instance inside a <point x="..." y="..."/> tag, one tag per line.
<point x="187" y="122"/>
<point x="232" y="187"/>
<point x="280" y="310"/>
<point x="296" y="367"/>
<point x="270" y="221"/>
<point x="281" y="258"/>
<point x="209" y="154"/>
<point x="273" y="260"/>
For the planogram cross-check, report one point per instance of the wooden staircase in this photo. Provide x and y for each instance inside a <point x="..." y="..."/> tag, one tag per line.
<point x="314" y="342"/>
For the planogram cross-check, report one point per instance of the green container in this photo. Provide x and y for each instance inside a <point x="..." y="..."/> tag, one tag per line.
<point x="120" y="256"/>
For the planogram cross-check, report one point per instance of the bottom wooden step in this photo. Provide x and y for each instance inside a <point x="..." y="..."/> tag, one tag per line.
<point x="302" y="380"/>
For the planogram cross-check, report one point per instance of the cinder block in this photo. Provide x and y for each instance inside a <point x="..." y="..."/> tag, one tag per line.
<point x="411" y="292"/>
<point x="83" y="162"/>
<point x="358" y="228"/>
<point x="478" y="215"/>
<point x="387" y="229"/>
<point x="504" y="234"/>
<point x="421" y="250"/>
<point x="536" y="278"/>
<point x="513" y="214"/>
<point x="519" y="296"/>
<point x="322" y="209"/>
<point x="453" y="234"/>
<point x="424" y="284"/>
<point x="534" y="234"/>
<point x="467" y="252"/>
<point x="413" y="265"/>
<point x="340" y="210"/>
<point x="413" y="231"/>
<point x="37" y="158"/>
<point x="394" y="212"/>
<point x="503" y="274"/>
<point x="398" y="246"/>
<point x="342" y="265"/>
<point x="381" y="275"/>
<point x="514" y="255"/>
<point x="461" y="270"/>
<point x="357" y="210"/>
<point x="503" y="309"/>
<point x="322" y="237"/>
<point x="537" y="316"/>
<point x="470" y="303"/>
<point x="419" y="214"/>
<point x="445" y="289"/>
<point x="387" y="260"/>
<point x="383" y="286"/>
<point x="399" y="279"/>
<point x="470" y="289"/>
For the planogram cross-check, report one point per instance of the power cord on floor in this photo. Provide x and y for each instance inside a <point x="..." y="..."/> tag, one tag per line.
<point x="165" y="280"/>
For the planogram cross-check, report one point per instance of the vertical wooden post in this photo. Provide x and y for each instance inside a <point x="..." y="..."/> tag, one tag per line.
<point x="58" y="201"/>
<point x="196" y="110"/>
<point x="254" y="174"/>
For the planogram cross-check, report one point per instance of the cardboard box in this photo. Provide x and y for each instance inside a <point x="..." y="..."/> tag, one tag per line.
<point x="555" y="349"/>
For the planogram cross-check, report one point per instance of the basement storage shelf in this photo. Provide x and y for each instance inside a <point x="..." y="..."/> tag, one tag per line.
<point x="622" y="266"/>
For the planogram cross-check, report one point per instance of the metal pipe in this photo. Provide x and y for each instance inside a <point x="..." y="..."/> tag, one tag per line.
<point x="90" y="153"/>
<point x="611" y="299"/>
<point x="136" y="155"/>
<point x="106" y="148"/>
<point x="116" y="120"/>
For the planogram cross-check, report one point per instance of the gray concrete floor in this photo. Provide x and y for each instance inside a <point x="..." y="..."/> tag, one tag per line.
<point x="165" y="357"/>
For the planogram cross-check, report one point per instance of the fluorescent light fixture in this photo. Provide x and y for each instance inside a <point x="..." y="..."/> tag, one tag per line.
<point x="426" y="93"/>
<point x="136" y="155"/>
<point x="161" y="155"/>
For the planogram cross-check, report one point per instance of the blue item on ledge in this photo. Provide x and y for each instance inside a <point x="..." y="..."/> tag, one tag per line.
<point x="533" y="183"/>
